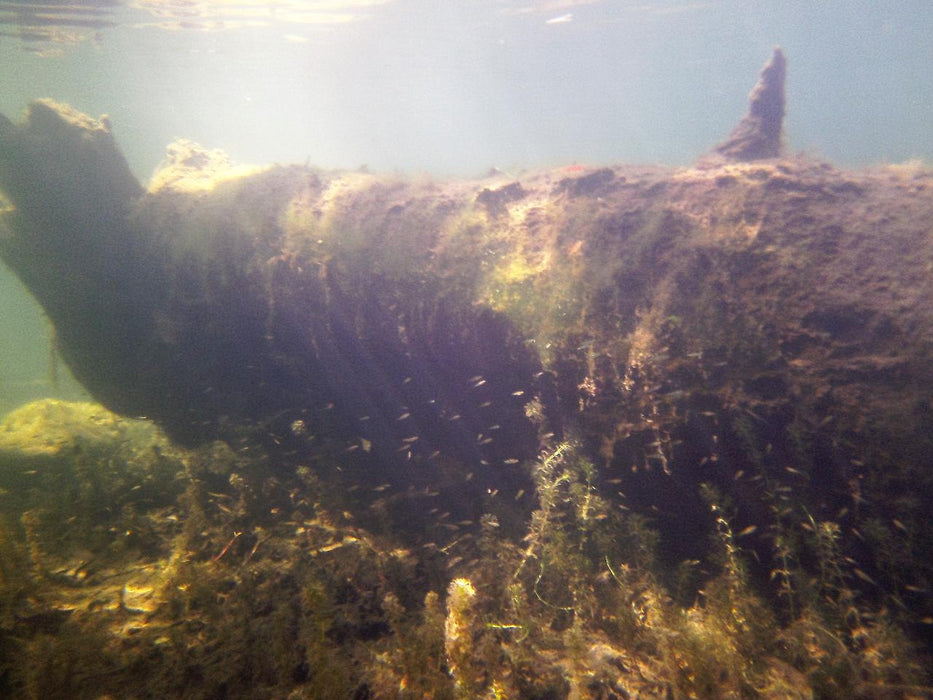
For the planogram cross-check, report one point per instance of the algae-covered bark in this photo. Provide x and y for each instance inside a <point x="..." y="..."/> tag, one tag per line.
<point x="733" y="359"/>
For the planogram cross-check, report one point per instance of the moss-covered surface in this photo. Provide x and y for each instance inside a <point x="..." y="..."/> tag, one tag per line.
<point x="132" y="568"/>
<point x="607" y="432"/>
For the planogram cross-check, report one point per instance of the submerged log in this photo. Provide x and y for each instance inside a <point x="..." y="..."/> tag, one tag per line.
<point x="756" y="324"/>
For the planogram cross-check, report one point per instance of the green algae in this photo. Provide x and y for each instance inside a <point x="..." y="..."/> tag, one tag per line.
<point x="210" y="572"/>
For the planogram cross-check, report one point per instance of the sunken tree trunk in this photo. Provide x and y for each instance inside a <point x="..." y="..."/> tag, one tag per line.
<point x="759" y="324"/>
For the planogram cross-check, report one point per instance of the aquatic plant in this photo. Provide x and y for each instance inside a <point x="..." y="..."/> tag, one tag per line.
<point x="459" y="628"/>
<point x="262" y="581"/>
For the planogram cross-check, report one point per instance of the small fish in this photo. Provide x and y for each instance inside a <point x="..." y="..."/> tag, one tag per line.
<point x="748" y="531"/>
<point x="510" y="460"/>
<point x="518" y="393"/>
<point x="403" y="416"/>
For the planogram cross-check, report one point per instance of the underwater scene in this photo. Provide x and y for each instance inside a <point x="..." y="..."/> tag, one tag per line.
<point x="441" y="349"/>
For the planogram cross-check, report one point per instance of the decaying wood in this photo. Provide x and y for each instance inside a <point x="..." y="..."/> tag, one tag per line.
<point x="759" y="134"/>
<point x="742" y="318"/>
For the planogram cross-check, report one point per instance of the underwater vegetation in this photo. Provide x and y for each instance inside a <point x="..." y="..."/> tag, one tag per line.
<point x="597" y="432"/>
<point x="133" y="567"/>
